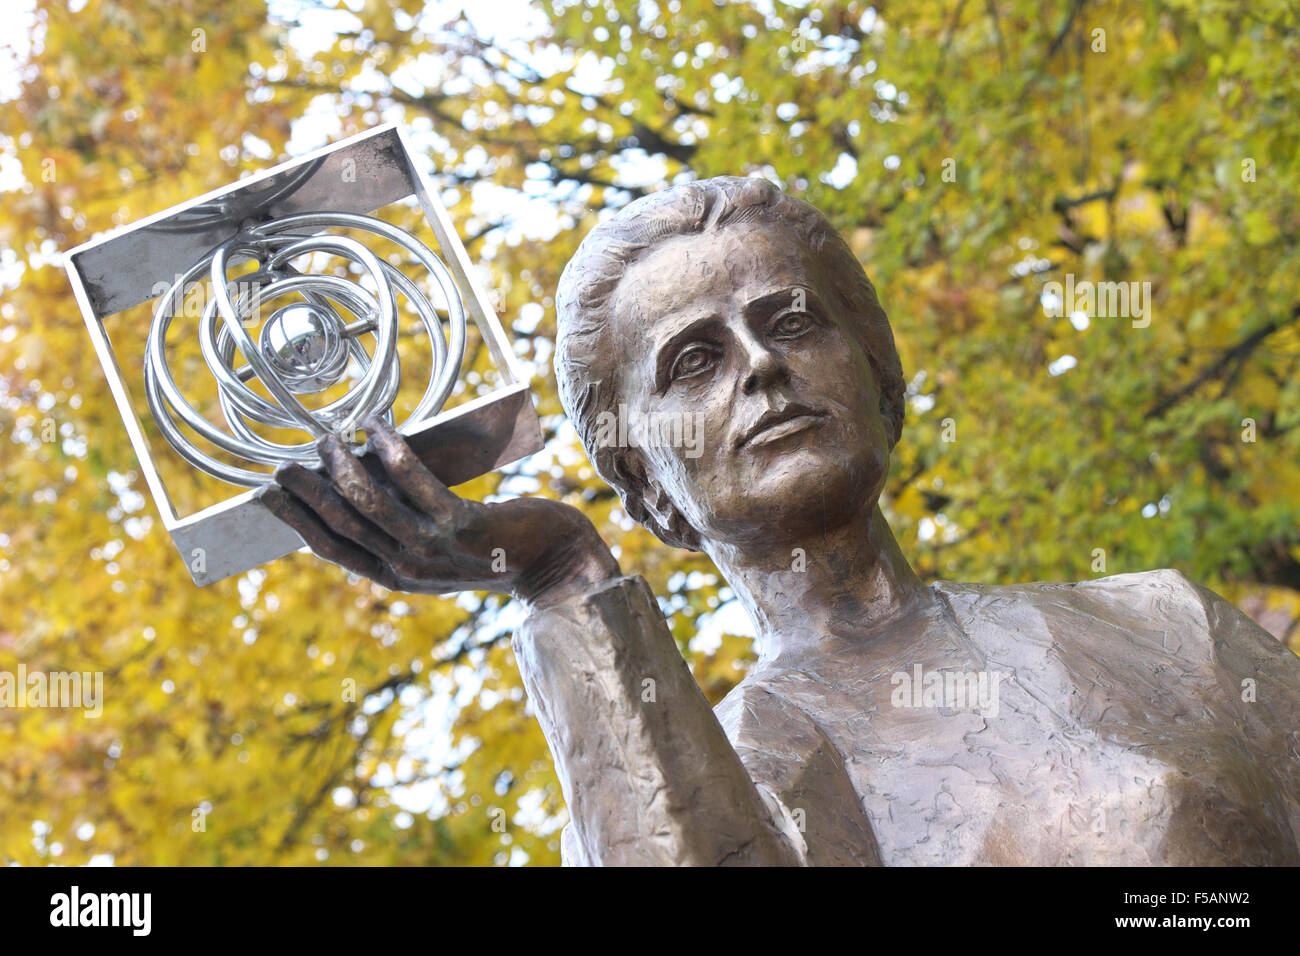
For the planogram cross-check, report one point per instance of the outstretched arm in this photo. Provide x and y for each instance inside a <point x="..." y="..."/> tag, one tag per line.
<point x="647" y="770"/>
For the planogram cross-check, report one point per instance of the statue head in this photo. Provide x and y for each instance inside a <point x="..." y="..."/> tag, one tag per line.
<point x="738" y="334"/>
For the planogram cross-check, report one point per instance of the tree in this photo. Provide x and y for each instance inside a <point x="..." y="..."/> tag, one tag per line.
<point x="972" y="153"/>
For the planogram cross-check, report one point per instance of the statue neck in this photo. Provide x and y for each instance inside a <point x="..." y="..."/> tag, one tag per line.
<point x="847" y="581"/>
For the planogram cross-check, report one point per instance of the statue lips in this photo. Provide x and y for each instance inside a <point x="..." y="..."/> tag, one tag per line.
<point x="778" y="423"/>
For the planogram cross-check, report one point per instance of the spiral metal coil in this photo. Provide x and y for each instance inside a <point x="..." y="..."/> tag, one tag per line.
<point x="304" y="347"/>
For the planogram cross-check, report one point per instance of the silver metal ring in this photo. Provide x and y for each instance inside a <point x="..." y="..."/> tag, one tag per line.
<point x="305" y="347"/>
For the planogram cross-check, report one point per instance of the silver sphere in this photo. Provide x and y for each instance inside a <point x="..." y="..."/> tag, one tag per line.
<point x="305" y="344"/>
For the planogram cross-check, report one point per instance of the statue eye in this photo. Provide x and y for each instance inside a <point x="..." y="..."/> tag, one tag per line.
<point x="791" y="324"/>
<point x="692" y="360"/>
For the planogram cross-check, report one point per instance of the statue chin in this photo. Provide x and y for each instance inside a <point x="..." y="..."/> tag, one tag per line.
<point x="803" y="492"/>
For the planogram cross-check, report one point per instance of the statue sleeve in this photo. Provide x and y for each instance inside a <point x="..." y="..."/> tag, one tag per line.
<point x="648" y="773"/>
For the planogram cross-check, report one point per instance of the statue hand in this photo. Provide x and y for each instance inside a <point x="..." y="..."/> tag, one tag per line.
<point x="388" y="517"/>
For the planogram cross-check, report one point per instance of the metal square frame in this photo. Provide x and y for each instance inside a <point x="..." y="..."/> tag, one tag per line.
<point x="124" y="269"/>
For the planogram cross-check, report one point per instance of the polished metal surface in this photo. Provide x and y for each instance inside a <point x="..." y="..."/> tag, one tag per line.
<point x="304" y="347"/>
<point x="134" y="264"/>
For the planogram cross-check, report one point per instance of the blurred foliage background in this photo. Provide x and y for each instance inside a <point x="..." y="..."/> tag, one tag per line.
<point x="970" y="151"/>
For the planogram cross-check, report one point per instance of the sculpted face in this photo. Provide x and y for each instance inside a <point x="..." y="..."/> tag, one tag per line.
<point x="741" y="331"/>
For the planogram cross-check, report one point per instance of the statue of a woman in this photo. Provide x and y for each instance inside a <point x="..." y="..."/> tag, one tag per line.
<point x="1134" y="719"/>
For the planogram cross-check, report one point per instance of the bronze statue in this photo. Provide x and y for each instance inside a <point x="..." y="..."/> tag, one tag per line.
<point x="1134" y="719"/>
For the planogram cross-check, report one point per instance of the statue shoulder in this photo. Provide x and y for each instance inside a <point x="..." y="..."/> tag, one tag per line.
<point x="752" y="712"/>
<point x="799" y="772"/>
<point x="1162" y="582"/>
<point x="1187" y="613"/>
<point x="1124" y="624"/>
<point x="1164" y="606"/>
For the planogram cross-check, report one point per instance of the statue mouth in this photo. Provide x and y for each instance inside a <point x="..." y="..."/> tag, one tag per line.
<point x="775" y="425"/>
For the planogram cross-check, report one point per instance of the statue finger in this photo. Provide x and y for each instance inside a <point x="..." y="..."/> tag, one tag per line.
<point x="318" y="495"/>
<point x="374" y="502"/>
<point x="323" y="542"/>
<point x="409" y="474"/>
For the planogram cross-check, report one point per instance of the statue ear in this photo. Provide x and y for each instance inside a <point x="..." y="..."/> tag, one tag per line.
<point x="650" y="506"/>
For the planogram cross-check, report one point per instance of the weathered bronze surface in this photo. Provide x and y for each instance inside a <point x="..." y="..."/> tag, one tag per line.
<point x="1134" y="719"/>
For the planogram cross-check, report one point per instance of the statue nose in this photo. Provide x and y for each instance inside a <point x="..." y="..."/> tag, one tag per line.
<point x="766" y="368"/>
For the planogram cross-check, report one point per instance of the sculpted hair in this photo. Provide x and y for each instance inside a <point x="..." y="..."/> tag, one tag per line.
<point x="582" y="363"/>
